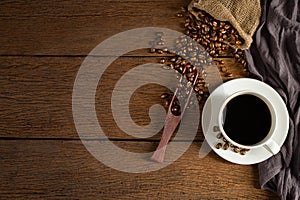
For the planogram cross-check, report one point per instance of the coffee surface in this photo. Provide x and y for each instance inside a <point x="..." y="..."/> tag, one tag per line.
<point x="247" y="120"/>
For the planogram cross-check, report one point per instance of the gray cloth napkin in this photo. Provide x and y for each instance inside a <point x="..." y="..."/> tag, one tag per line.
<point x="274" y="58"/>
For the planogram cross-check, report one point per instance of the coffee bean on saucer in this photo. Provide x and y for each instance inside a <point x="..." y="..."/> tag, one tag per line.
<point x="243" y="152"/>
<point x="218" y="146"/>
<point x="216" y="129"/>
<point x="219" y="136"/>
<point x="236" y="149"/>
<point x="226" y="146"/>
<point x="225" y="140"/>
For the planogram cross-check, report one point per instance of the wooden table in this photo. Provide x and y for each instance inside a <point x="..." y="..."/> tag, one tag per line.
<point x="42" y="45"/>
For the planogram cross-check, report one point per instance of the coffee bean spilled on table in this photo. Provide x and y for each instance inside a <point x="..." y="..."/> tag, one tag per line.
<point x="215" y="36"/>
<point x="217" y="39"/>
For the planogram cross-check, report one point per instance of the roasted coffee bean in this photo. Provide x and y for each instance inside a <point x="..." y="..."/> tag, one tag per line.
<point x="219" y="146"/>
<point x="173" y="59"/>
<point x="220" y="39"/>
<point x="212" y="53"/>
<point x="214" y="36"/>
<point x="243" y="152"/>
<point x="180" y="69"/>
<point x="179" y="15"/>
<point x="224" y="140"/>
<point x="237" y="56"/>
<point x="160" y="51"/>
<point x="222" y="62"/>
<point x="152" y="50"/>
<point x="216" y="128"/>
<point x="160" y="43"/>
<point x="184" y="62"/>
<point x="243" y="62"/>
<point x="164" y="95"/>
<point x="215" y="24"/>
<point x="236" y="149"/>
<point x="196" y="89"/>
<point x="238" y="42"/>
<point x="193" y="59"/>
<point x="219" y="136"/>
<point x="175" y="110"/>
<point x="227" y="26"/>
<point x="188" y="20"/>
<point x="229" y="75"/>
<point x="166" y="103"/>
<point x="162" y="61"/>
<point x="218" y="44"/>
<point x="226" y="146"/>
<point x="223" y="69"/>
<point x="165" y="49"/>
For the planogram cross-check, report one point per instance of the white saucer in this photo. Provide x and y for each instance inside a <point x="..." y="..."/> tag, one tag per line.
<point x="210" y="119"/>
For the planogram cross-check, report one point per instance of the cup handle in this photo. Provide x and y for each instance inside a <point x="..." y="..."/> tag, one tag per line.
<point x="272" y="147"/>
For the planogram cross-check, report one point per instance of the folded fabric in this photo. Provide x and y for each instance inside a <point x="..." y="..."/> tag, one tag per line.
<point x="274" y="58"/>
<point x="242" y="14"/>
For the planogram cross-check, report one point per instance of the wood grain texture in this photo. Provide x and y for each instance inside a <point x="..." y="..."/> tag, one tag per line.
<point x="75" y="28"/>
<point x="42" y="46"/>
<point x="64" y="169"/>
<point x="36" y="96"/>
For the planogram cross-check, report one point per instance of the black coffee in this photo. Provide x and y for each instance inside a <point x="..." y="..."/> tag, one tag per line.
<point x="248" y="119"/>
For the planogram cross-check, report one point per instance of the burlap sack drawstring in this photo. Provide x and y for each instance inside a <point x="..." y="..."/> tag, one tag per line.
<point x="244" y="15"/>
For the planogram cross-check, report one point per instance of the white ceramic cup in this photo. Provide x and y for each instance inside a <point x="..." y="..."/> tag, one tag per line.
<point x="268" y="142"/>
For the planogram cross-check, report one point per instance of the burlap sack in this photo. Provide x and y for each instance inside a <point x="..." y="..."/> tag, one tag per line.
<point x="244" y="15"/>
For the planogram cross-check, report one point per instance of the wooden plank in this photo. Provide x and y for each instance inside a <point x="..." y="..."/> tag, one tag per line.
<point x="68" y="28"/>
<point x="67" y="8"/>
<point x="55" y="169"/>
<point x="36" y="96"/>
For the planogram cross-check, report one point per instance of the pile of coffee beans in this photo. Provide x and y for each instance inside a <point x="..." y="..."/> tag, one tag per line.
<point x="188" y="75"/>
<point x="225" y="145"/>
<point x="216" y="37"/>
